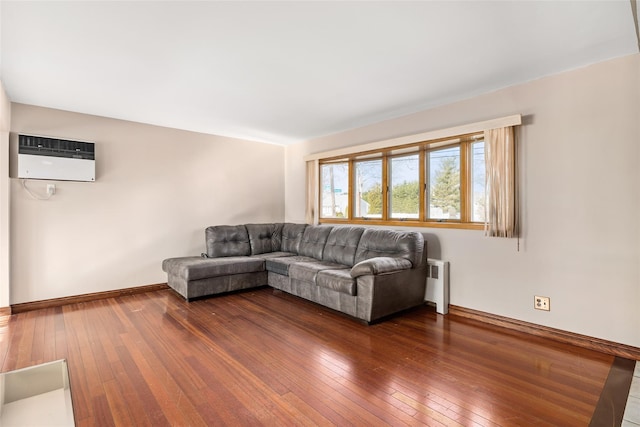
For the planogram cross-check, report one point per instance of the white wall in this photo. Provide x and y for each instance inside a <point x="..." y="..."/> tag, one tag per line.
<point x="156" y="191"/>
<point x="580" y="163"/>
<point x="5" y="123"/>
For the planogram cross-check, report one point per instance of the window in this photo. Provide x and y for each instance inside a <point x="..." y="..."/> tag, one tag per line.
<point x="334" y="181"/>
<point x="444" y="183"/>
<point x="368" y="189"/>
<point x="478" y="179"/>
<point x="404" y="187"/>
<point x="438" y="183"/>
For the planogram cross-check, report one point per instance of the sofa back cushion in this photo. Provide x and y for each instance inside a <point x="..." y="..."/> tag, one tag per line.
<point x="341" y="245"/>
<point x="264" y="238"/>
<point x="388" y="243"/>
<point x="227" y="240"/>
<point x="292" y="236"/>
<point x="313" y="241"/>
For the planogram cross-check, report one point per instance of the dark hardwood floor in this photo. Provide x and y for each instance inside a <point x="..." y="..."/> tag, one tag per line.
<point x="267" y="358"/>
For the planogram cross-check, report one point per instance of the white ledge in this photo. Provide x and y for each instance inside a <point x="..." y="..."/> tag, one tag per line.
<point x="425" y="136"/>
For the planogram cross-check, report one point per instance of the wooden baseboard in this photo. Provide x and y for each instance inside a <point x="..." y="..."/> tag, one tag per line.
<point x="57" y="302"/>
<point x="5" y="311"/>
<point x="584" y="341"/>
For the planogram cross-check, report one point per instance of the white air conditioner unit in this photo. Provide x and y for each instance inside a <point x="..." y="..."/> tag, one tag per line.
<point x="41" y="157"/>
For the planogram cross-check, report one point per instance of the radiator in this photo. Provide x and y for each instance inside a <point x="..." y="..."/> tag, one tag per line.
<point x="437" y="287"/>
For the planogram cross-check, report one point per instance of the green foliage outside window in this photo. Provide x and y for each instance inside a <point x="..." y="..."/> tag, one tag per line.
<point x="373" y="197"/>
<point x="445" y="192"/>
<point x="405" y="197"/>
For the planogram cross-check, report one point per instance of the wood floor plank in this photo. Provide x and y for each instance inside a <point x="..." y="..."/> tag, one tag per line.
<point x="165" y="391"/>
<point x="39" y="338"/>
<point x="213" y="409"/>
<point x="4" y="338"/>
<point x="264" y="357"/>
<point x="328" y="374"/>
<point x="488" y="370"/>
<point x="305" y="414"/>
<point x="26" y="342"/>
<point x="102" y="414"/>
<point x="425" y="410"/>
<point x="119" y="406"/>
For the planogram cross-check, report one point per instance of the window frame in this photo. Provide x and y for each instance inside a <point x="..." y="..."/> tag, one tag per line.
<point x="428" y="182"/>
<point x="421" y="193"/>
<point x="465" y="142"/>
<point x="470" y="197"/>
<point x="352" y="175"/>
<point x="347" y="214"/>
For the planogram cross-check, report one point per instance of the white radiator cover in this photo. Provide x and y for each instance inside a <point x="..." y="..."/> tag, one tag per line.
<point x="437" y="286"/>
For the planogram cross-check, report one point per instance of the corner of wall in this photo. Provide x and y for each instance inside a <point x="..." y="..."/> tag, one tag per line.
<point x="5" y="124"/>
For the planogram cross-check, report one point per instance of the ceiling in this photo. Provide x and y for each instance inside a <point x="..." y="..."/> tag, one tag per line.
<point x="284" y="72"/>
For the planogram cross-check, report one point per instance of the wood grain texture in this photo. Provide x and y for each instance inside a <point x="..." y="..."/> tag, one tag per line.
<point x="264" y="357"/>
<point x="591" y="343"/>
<point x="57" y="302"/>
<point x="610" y="409"/>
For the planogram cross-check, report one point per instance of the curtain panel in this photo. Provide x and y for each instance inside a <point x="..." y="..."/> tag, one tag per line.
<point x="501" y="207"/>
<point x="311" y="208"/>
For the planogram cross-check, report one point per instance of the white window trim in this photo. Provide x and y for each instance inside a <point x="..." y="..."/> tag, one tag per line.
<point x="425" y="136"/>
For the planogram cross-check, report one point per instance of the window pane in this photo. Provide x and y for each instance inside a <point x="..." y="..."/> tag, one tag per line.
<point x="368" y="188"/>
<point x="444" y="183"/>
<point x="335" y="190"/>
<point x="404" y="192"/>
<point x="477" y="181"/>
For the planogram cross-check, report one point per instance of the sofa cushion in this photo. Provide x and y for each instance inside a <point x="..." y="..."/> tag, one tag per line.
<point x="195" y="268"/>
<point x="281" y="265"/>
<point x="387" y="243"/>
<point x="313" y="241"/>
<point x="337" y="280"/>
<point x="264" y="237"/>
<point x="341" y="245"/>
<point x="268" y="255"/>
<point x="306" y="271"/>
<point x="291" y="236"/>
<point x="227" y="240"/>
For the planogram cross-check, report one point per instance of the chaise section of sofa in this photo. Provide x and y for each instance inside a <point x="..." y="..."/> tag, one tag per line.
<point x="366" y="273"/>
<point x="196" y="277"/>
<point x="234" y="260"/>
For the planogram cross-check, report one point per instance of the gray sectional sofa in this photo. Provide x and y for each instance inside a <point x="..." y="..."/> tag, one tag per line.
<point x="364" y="272"/>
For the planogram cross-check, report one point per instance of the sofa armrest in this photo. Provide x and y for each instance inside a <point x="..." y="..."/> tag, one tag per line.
<point x="379" y="265"/>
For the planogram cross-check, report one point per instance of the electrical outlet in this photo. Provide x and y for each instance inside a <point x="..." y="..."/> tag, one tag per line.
<point x="541" y="303"/>
<point x="51" y="189"/>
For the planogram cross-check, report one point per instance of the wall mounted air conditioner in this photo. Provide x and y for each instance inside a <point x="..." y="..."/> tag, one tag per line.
<point x="41" y="157"/>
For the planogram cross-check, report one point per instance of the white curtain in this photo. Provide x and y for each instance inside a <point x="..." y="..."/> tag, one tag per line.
<point x="501" y="208"/>
<point x="311" y="210"/>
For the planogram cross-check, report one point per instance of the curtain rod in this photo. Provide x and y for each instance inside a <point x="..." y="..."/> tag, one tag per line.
<point x="425" y="136"/>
